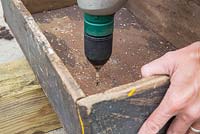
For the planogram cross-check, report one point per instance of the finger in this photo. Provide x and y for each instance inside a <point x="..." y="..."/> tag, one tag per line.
<point x="195" y="125"/>
<point x="163" y="65"/>
<point x="180" y="124"/>
<point x="158" y="118"/>
<point x="155" y="122"/>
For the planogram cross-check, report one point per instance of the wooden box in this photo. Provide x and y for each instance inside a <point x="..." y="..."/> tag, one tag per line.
<point x="50" y="33"/>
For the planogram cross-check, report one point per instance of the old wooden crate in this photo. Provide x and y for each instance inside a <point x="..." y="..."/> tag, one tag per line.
<point x="52" y="41"/>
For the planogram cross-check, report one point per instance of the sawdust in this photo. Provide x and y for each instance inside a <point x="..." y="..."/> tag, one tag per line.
<point x="133" y="46"/>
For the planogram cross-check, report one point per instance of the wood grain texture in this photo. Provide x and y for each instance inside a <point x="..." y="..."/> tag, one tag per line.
<point x="113" y="112"/>
<point x="64" y="30"/>
<point x="24" y="108"/>
<point x="176" y="20"/>
<point x="56" y="81"/>
<point x="35" y="6"/>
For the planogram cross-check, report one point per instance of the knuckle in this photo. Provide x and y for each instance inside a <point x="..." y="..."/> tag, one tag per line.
<point x="192" y="114"/>
<point x="152" y="126"/>
<point x="189" y="117"/>
<point x="197" y="43"/>
<point x="169" y="54"/>
<point x="175" y="103"/>
<point x="143" y="68"/>
<point x="197" y="46"/>
<point x="178" y="102"/>
<point x="175" y="108"/>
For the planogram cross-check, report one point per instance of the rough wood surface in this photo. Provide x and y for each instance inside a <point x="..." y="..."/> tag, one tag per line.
<point x="176" y="20"/>
<point x="59" y="86"/>
<point x="24" y="108"/>
<point x="114" y="112"/>
<point x="43" y="5"/>
<point x="133" y="46"/>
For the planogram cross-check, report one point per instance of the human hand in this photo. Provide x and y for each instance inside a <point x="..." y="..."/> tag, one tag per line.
<point x="183" y="96"/>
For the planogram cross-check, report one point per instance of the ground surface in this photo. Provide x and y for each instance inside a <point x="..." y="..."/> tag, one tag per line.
<point x="10" y="51"/>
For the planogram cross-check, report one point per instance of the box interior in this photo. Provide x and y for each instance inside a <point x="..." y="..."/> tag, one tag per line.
<point x="133" y="46"/>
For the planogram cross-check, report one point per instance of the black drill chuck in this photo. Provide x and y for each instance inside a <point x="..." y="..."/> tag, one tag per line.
<point x="98" y="49"/>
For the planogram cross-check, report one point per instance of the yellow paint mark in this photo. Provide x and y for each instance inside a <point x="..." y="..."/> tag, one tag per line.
<point x="81" y="123"/>
<point x="132" y="92"/>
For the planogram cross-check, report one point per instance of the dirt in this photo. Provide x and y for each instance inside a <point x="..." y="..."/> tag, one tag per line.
<point x="5" y="33"/>
<point x="134" y="45"/>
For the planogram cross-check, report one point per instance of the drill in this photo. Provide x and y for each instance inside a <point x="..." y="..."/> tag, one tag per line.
<point x="98" y="29"/>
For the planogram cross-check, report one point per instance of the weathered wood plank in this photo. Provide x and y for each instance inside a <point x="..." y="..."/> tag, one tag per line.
<point x="24" y="108"/>
<point x="35" y="6"/>
<point x="113" y="112"/>
<point x="176" y="20"/>
<point x="58" y="84"/>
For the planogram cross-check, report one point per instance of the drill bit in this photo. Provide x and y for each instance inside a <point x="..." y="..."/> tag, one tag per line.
<point x="98" y="68"/>
<point x="97" y="78"/>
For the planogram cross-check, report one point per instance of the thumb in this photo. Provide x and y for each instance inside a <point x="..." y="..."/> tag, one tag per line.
<point x="163" y="65"/>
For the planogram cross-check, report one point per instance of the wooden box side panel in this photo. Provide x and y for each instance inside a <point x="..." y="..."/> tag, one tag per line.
<point x="125" y="116"/>
<point x="56" y="81"/>
<point x="35" y="6"/>
<point x="120" y="114"/>
<point x="175" y="20"/>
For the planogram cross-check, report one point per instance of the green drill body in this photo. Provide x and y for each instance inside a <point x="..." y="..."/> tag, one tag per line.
<point x="98" y="38"/>
<point x="98" y="28"/>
